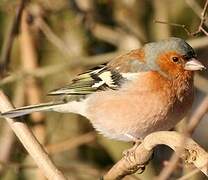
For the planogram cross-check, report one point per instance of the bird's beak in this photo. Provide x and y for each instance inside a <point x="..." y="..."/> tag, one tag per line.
<point x="194" y="65"/>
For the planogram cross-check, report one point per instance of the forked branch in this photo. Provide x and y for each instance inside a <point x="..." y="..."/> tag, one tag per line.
<point x="191" y="154"/>
<point x="200" y="27"/>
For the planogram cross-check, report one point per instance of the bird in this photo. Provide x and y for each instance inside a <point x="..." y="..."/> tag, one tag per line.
<point x="145" y="90"/>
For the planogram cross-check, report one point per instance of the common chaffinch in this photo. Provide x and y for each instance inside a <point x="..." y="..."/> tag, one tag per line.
<point x="143" y="91"/>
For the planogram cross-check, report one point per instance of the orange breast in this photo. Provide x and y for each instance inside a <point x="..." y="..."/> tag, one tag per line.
<point x="146" y="105"/>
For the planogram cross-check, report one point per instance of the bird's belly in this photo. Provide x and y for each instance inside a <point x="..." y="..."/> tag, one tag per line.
<point x="118" y="115"/>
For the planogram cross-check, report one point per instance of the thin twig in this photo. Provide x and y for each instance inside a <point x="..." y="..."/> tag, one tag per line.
<point x="70" y="143"/>
<point x="161" y="11"/>
<point x="200" y="112"/>
<point x="189" y="175"/>
<point x="52" y="37"/>
<point x="173" y="162"/>
<point x="196" y="8"/>
<point x="199" y="42"/>
<point x="7" y="47"/>
<point x="194" y="121"/>
<point x="42" y="72"/>
<point x="198" y="115"/>
<point x="32" y="89"/>
<point x="30" y="143"/>
<point x="8" y="138"/>
<point x="201" y="83"/>
<point x="72" y="167"/>
<point x="52" y="69"/>
<point x="176" y="25"/>
<point x="126" y="17"/>
<point x="200" y="27"/>
<point x="204" y="11"/>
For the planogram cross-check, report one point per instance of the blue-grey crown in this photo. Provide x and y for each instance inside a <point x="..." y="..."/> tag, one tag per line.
<point x="154" y="49"/>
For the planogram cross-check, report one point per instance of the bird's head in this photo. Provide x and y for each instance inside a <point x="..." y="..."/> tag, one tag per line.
<point x="172" y="56"/>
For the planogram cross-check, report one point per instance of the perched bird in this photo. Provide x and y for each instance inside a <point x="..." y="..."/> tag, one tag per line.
<point x="143" y="91"/>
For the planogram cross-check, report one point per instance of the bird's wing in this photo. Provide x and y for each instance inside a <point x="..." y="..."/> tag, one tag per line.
<point x="104" y="77"/>
<point x="97" y="79"/>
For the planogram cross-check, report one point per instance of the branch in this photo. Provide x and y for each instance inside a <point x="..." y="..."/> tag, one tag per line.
<point x="30" y="143"/>
<point x="198" y="115"/>
<point x="199" y="42"/>
<point x="52" y="69"/>
<point x="191" y="154"/>
<point x="196" y="8"/>
<point x="32" y="89"/>
<point x="8" y="139"/>
<point x="200" y="27"/>
<point x="70" y="143"/>
<point x="42" y="72"/>
<point x="52" y="37"/>
<point x="6" y="52"/>
<point x="193" y="123"/>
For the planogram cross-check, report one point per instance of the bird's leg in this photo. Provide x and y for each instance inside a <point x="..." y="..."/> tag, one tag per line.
<point x="130" y="155"/>
<point x="131" y="151"/>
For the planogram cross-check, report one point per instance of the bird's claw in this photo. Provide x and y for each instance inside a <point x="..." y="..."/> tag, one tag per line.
<point x="130" y="154"/>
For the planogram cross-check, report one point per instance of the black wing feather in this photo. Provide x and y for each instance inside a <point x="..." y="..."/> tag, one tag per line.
<point x="99" y="78"/>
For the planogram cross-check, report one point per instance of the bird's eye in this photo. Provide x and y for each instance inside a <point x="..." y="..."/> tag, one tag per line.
<point x="175" y="59"/>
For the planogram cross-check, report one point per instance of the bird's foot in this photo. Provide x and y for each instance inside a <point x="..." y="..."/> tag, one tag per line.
<point x="129" y="154"/>
<point x="131" y="151"/>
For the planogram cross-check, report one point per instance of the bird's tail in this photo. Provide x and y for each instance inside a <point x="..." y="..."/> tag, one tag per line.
<point x="30" y="109"/>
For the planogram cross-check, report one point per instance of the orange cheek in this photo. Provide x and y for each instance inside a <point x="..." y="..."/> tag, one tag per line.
<point x="167" y="66"/>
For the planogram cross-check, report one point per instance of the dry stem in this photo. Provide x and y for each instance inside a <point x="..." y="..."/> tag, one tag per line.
<point x="30" y="143"/>
<point x="6" y="52"/>
<point x="29" y="59"/>
<point x="200" y="27"/>
<point x="191" y="154"/>
<point x="71" y="143"/>
<point x="193" y="123"/>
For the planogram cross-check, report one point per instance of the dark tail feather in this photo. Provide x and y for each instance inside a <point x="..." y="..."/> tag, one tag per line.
<point x="30" y="109"/>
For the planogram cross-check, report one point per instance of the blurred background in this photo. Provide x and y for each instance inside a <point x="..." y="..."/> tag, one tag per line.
<point x="45" y="43"/>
